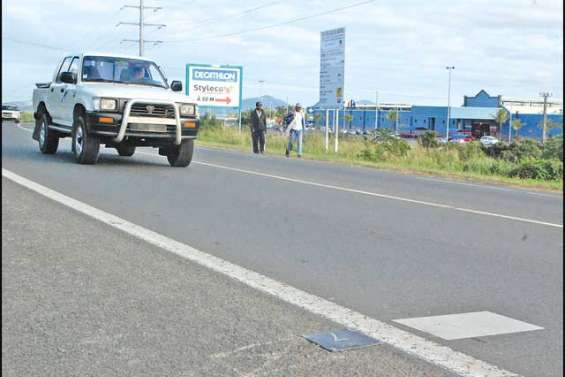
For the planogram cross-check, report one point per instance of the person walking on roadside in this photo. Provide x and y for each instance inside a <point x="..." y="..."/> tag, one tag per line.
<point x="295" y="129"/>
<point x="258" y="128"/>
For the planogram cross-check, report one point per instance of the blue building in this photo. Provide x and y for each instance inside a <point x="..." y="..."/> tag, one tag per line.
<point x="476" y="116"/>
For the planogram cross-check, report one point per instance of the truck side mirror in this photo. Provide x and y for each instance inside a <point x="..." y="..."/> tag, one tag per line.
<point x="176" y="86"/>
<point x="68" y="77"/>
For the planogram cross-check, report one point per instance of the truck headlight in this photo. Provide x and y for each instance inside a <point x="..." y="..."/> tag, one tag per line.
<point x="187" y="109"/>
<point x="108" y="104"/>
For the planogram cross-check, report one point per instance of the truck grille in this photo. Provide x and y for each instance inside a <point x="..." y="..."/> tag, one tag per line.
<point x="153" y="110"/>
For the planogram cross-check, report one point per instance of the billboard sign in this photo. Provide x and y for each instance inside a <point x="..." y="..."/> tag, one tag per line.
<point x="332" y="68"/>
<point x="214" y="85"/>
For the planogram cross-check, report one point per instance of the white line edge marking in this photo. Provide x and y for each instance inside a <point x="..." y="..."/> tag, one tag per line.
<point x="373" y="194"/>
<point x="419" y="177"/>
<point x="434" y="353"/>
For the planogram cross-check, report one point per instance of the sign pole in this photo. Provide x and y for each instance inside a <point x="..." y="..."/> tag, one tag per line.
<point x="327" y="130"/>
<point x="336" y="130"/>
<point x="239" y="119"/>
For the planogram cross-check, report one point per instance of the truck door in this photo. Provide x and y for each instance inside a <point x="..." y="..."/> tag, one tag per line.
<point x="67" y="100"/>
<point x="56" y="93"/>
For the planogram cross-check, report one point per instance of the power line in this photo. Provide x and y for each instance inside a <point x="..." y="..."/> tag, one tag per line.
<point x="141" y="24"/>
<point x="275" y="25"/>
<point x="243" y="13"/>
<point x="35" y="44"/>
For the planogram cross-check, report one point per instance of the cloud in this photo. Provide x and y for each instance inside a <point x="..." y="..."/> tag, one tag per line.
<point x="400" y="47"/>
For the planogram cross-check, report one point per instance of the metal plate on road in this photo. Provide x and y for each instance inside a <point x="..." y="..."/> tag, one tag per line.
<point x="148" y="127"/>
<point x="342" y="340"/>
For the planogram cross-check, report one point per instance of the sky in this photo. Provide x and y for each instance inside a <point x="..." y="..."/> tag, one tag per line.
<point x="398" y="48"/>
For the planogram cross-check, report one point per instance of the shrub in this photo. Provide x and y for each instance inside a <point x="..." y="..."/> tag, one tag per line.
<point x="495" y="150"/>
<point x="210" y="121"/>
<point x="470" y="150"/>
<point x="539" y="169"/>
<point x="428" y="140"/>
<point x="522" y="150"/>
<point x="396" y="147"/>
<point x="553" y="148"/>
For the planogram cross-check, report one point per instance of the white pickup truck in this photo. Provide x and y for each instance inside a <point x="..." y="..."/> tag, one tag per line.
<point x="119" y="101"/>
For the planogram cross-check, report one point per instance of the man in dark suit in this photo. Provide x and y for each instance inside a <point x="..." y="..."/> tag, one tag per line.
<point x="258" y="128"/>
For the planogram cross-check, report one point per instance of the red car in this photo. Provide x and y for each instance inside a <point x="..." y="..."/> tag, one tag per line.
<point x="461" y="138"/>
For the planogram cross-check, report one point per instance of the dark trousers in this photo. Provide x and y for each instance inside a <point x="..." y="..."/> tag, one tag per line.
<point x="258" y="141"/>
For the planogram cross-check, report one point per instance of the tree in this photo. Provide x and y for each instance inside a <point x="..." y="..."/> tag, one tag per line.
<point x="500" y="117"/>
<point x="317" y="119"/>
<point x="383" y="135"/>
<point x="550" y="125"/>
<point x="516" y="125"/>
<point x="392" y="116"/>
<point x="348" y="118"/>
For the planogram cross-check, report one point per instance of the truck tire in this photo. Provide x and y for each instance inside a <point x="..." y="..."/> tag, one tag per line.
<point x="48" y="139"/>
<point x="180" y="156"/>
<point x="126" y="150"/>
<point x="85" y="145"/>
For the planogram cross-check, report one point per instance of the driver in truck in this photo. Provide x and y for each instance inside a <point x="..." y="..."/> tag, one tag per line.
<point x="137" y="73"/>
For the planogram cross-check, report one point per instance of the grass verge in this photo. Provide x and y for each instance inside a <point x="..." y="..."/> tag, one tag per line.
<point x="441" y="162"/>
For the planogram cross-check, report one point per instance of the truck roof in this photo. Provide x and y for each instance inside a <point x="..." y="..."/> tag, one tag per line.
<point x="110" y="54"/>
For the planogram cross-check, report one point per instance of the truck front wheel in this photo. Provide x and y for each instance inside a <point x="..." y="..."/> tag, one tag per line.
<point x="180" y="156"/>
<point x="48" y="139"/>
<point x="85" y="146"/>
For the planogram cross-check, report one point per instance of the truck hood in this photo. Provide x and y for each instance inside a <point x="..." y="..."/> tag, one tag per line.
<point x="132" y="91"/>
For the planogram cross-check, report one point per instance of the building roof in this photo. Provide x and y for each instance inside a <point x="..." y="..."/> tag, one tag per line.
<point x="479" y="113"/>
<point x="532" y="107"/>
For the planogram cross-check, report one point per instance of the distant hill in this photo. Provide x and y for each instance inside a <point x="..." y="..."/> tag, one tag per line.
<point x="268" y="101"/>
<point x="21" y="105"/>
<point x="364" y="102"/>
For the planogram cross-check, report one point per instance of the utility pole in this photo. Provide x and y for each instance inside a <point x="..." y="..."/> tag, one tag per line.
<point x="141" y="24"/>
<point x="545" y="95"/>
<point x="450" y="68"/>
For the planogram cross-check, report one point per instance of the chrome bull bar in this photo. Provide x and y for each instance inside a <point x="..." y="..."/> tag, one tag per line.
<point x="127" y="109"/>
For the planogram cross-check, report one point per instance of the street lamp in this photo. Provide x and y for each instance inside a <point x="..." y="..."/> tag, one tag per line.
<point x="449" y="69"/>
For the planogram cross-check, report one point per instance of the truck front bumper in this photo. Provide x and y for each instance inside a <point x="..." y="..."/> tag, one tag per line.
<point x="111" y="125"/>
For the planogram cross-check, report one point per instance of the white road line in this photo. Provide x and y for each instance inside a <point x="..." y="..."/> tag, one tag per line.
<point x="423" y="178"/>
<point x="454" y="361"/>
<point x="373" y="194"/>
<point x="467" y="325"/>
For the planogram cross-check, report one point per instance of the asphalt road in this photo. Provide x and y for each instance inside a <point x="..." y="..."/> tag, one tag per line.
<point x="408" y="251"/>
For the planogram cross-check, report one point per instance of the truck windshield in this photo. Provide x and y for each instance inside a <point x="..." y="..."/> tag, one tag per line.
<point x="121" y="70"/>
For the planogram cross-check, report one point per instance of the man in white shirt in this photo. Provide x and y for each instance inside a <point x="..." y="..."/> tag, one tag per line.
<point x="295" y="130"/>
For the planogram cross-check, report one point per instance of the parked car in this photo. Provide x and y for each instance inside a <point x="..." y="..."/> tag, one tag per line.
<point x="419" y="131"/>
<point x="441" y="140"/>
<point x="119" y="101"/>
<point x="10" y="113"/>
<point x="461" y="138"/>
<point x="487" y="141"/>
